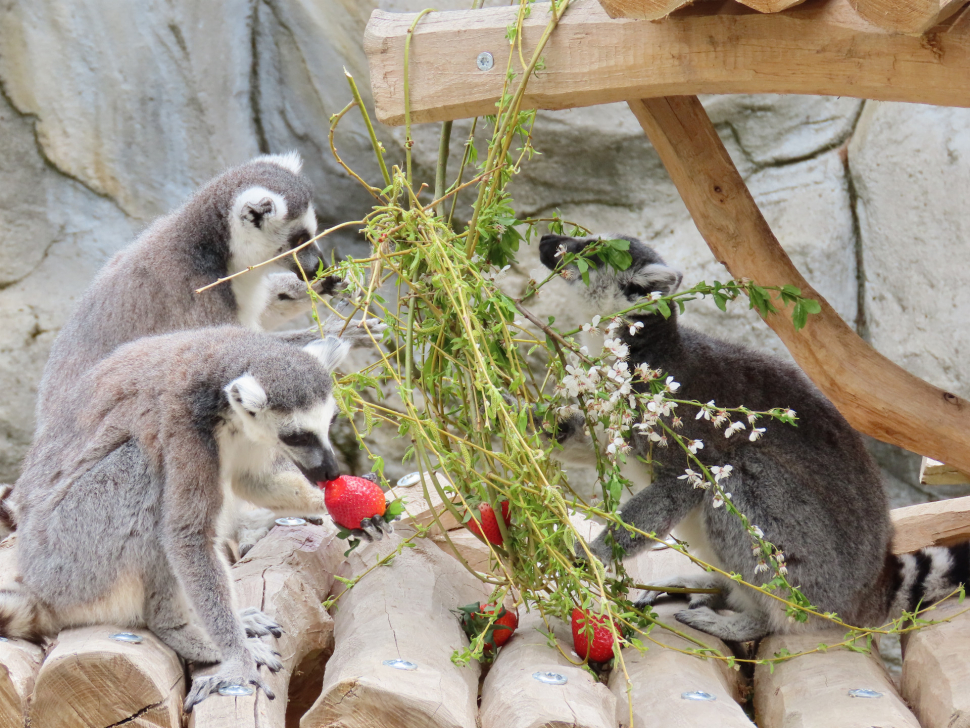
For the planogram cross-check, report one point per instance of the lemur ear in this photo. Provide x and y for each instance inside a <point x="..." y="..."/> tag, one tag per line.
<point x="256" y="205"/>
<point x="658" y="277"/>
<point x="256" y="213"/>
<point x="330" y="351"/>
<point x="246" y="394"/>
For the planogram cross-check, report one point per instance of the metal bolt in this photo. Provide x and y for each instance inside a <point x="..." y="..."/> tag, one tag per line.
<point x="290" y="522"/>
<point x="409" y="480"/>
<point x="126" y="637"/>
<point x="697" y="695"/>
<point x="485" y="61"/>
<point x="864" y="693"/>
<point x="400" y="664"/>
<point x="236" y="691"/>
<point x="550" y="678"/>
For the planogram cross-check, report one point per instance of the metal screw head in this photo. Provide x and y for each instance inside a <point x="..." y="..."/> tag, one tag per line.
<point x="409" y="480"/>
<point x="126" y="637"/>
<point x="550" y="678"/>
<point x="485" y="61"/>
<point x="4" y="639"/>
<point x="400" y="664"/>
<point x="290" y="522"/>
<point x="697" y="695"/>
<point x="864" y="693"/>
<point x="236" y="691"/>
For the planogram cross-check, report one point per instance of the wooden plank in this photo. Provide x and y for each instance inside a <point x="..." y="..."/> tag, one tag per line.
<point x="933" y="472"/>
<point x="875" y="395"/>
<point x="817" y="47"/>
<point x="400" y="612"/>
<point x="90" y="680"/>
<point x="513" y="698"/>
<point x="936" y="671"/>
<point x="813" y="691"/>
<point x="286" y="576"/>
<point x="418" y="510"/>
<point x="660" y="677"/>
<point x="907" y="16"/>
<point x="941" y="523"/>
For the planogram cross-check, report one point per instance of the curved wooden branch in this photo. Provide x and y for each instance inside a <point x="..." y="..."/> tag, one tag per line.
<point x="875" y="395"/>
<point x="818" y="47"/>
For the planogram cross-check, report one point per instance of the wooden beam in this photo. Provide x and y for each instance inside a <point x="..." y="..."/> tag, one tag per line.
<point x="941" y="523"/>
<point x="875" y="395"/>
<point x="907" y="16"/>
<point x="287" y="575"/>
<point x="933" y="472"/>
<point x="818" y="47"/>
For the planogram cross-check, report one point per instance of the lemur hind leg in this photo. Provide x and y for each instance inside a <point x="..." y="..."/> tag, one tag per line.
<point x="734" y="627"/>
<point x="165" y="616"/>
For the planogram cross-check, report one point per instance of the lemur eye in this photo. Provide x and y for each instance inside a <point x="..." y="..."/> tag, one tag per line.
<point x="298" y="238"/>
<point x="299" y="439"/>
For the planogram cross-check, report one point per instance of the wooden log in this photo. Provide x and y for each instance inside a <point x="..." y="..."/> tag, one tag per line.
<point x="471" y="548"/>
<point x="907" y="16"/>
<point x="660" y="677"/>
<point x="771" y="6"/>
<point x="91" y="680"/>
<point x="814" y="48"/>
<point x="417" y="509"/>
<point x="19" y="659"/>
<point x="513" y="698"/>
<point x="875" y="395"/>
<point x="814" y="691"/>
<point x="933" y="472"/>
<point x="400" y="612"/>
<point x="286" y="575"/>
<point x="941" y="523"/>
<point x="936" y="671"/>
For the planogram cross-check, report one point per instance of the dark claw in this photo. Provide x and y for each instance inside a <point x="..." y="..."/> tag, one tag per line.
<point x="315" y="520"/>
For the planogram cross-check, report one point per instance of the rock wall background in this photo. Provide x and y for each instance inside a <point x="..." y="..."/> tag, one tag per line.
<point x="110" y="113"/>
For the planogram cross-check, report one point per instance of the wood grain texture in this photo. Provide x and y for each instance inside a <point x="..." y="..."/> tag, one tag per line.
<point x="660" y="676"/>
<point x="512" y="698"/>
<point x="90" y="681"/>
<point x="941" y="523"/>
<point x="417" y="509"/>
<point x="286" y="575"/>
<point x="818" y="47"/>
<point x="471" y="548"/>
<point x="936" y="671"/>
<point x="907" y="16"/>
<point x="812" y="691"/>
<point x="933" y="472"/>
<point x="771" y="6"/>
<point x="875" y="395"/>
<point x="400" y="611"/>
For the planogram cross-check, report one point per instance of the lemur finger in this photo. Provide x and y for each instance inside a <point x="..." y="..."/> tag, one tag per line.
<point x="371" y="528"/>
<point x="263" y="654"/>
<point x="258" y="624"/>
<point x="264" y="687"/>
<point x="315" y="520"/>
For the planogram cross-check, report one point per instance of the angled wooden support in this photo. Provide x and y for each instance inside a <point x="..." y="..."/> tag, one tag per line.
<point x="875" y="395"/>
<point x="818" y="47"/>
<point x="907" y="16"/>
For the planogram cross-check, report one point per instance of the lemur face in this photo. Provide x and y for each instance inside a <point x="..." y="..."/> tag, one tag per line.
<point x="610" y="290"/>
<point x="263" y="226"/>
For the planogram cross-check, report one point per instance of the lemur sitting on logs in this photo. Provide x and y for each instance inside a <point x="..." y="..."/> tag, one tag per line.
<point x="125" y="496"/>
<point x="813" y="489"/>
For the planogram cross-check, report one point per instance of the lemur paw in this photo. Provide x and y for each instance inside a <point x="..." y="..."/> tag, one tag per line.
<point x="372" y="529"/>
<point x="695" y="601"/>
<point x="229" y="673"/>
<point x="257" y="624"/>
<point x="264" y="654"/>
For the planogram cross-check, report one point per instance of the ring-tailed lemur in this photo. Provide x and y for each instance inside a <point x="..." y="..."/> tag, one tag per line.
<point x="242" y="217"/>
<point x="124" y="496"/>
<point x="813" y="489"/>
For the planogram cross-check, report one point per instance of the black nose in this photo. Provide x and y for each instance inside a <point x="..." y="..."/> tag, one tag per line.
<point x="548" y="247"/>
<point x="322" y="474"/>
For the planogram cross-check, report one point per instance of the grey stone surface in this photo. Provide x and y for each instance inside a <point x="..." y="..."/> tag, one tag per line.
<point x="111" y="113"/>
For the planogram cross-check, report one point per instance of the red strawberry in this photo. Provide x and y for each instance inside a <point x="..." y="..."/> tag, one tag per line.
<point x="475" y="618"/>
<point x="350" y="499"/>
<point x="490" y="523"/>
<point x="601" y="648"/>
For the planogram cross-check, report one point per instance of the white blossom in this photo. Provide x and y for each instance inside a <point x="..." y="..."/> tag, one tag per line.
<point x="655" y="296"/>
<point x="617" y="348"/>
<point x="756" y="433"/>
<point x="694" y="446"/>
<point x="705" y="411"/>
<point x="635" y="327"/>
<point x="718" y="500"/>
<point x="560" y="251"/>
<point x="670" y="385"/>
<point x="789" y="412"/>
<point x="694" y="479"/>
<point x="733" y="427"/>
<point x="721" y="472"/>
<point x="762" y="566"/>
<point x="720" y="418"/>
<point x="757" y="532"/>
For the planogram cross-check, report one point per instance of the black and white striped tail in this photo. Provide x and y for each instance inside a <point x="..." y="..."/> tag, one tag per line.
<point x="928" y="575"/>
<point x="8" y="516"/>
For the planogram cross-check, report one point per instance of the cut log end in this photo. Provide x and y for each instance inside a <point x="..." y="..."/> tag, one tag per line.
<point x="912" y="17"/>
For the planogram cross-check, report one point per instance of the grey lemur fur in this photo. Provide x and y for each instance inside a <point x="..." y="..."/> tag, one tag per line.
<point x="244" y="216"/>
<point x="813" y="489"/>
<point x="125" y="495"/>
